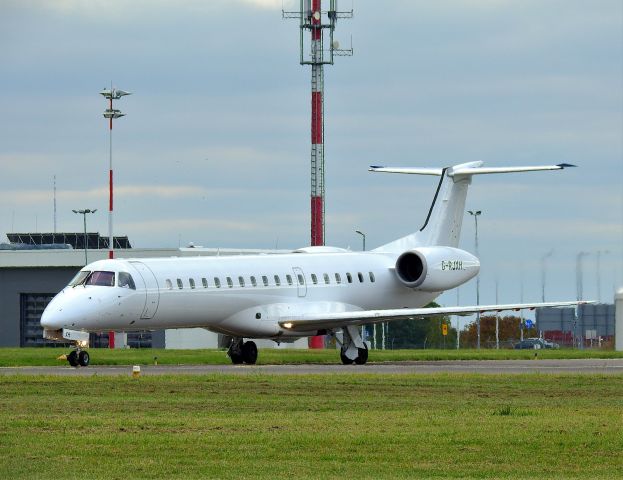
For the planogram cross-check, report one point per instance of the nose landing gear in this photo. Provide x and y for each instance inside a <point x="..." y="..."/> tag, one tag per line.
<point x="242" y="352"/>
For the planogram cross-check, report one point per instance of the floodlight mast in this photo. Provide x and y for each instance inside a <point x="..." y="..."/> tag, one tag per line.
<point x="110" y="113"/>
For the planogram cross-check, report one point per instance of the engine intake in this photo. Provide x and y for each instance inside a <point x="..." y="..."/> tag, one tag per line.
<point x="411" y="268"/>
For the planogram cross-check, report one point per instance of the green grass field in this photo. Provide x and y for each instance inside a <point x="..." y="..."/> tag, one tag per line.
<point x="10" y="357"/>
<point x="312" y="426"/>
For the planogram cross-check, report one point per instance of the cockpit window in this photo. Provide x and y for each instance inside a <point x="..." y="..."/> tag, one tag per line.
<point x="79" y="278"/>
<point x="103" y="279"/>
<point x="126" y="280"/>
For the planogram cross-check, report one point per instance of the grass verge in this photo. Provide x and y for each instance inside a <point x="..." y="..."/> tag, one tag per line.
<point x="10" y="357"/>
<point x="314" y="426"/>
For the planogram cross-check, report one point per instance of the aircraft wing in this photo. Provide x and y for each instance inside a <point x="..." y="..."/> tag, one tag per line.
<point x="325" y="321"/>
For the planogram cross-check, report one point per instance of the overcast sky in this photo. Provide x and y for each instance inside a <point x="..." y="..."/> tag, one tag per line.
<point x="215" y="145"/>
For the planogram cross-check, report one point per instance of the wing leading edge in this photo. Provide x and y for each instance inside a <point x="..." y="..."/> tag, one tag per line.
<point x="305" y="323"/>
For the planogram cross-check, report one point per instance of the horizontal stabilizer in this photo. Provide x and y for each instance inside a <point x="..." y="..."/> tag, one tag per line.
<point x="465" y="170"/>
<point x="488" y="170"/>
<point x="412" y="171"/>
<point x="327" y="321"/>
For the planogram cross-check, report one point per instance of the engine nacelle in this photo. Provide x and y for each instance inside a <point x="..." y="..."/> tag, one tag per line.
<point x="436" y="269"/>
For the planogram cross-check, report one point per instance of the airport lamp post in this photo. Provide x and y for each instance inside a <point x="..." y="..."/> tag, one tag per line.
<point x="111" y="114"/>
<point x="598" y="263"/>
<point x="84" y="217"/>
<point x="363" y="238"/>
<point x="543" y="276"/>
<point x="476" y="214"/>
<point x="579" y="275"/>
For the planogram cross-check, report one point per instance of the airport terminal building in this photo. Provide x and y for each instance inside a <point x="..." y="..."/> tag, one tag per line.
<point x="34" y="267"/>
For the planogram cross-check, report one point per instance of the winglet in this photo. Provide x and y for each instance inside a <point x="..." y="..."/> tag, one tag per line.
<point x="565" y="165"/>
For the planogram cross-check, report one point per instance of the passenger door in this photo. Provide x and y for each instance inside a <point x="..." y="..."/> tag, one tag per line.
<point x="301" y="285"/>
<point x="152" y="293"/>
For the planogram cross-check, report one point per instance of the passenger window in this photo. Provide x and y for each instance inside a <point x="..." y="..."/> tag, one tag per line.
<point x="289" y="279"/>
<point x="301" y="279"/>
<point x="253" y="281"/>
<point x="338" y="279"/>
<point x="102" y="279"/>
<point x="265" y="280"/>
<point x="230" y="283"/>
<point x="241" y="281"/>
<point x="204" y="281"/>
<point x="326" y="278"/>
<point x="314" y="278"/>
<point x="169" y="284"/>
<point x="277" y="280"/>
<point x="180" y="285"/>
<point x="360" y="276"/>
<point x="217" y="282"/>
<point x="372" y="277"/>
<point x="349" y="277"/>
<point x="126" y="280"/>
<point x="191" y="282"/>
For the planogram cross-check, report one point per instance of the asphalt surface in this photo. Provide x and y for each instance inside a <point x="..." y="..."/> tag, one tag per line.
<point x="583" y="366"/>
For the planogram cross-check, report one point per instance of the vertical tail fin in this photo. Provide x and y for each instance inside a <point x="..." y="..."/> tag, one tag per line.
<point x="445" y="216"/>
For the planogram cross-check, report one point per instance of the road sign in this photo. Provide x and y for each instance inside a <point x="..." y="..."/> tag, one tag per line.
<point x="529" y="323"/>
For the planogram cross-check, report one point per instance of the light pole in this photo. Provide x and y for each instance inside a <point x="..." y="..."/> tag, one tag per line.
<point x="84" y="217"/>
<point x="363" y="239"/>
<point x="599" y="252"/>
<point x="363" y="236"/>
<point x="497" y="318"/>
<point x="579" y="275"/>
<point x="543" y="258"/>
<point x="111" y="114"/>
<point x="476" y="214"/>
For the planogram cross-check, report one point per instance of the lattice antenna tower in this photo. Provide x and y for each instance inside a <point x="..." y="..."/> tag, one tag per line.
<point x="315" y="25"/>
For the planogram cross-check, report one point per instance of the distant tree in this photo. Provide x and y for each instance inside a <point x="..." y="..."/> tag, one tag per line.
<point x="509" y="332"/>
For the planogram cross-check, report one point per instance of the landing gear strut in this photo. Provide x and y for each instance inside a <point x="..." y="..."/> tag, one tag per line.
<point x="242" y="352"/>
<point x="79" y="358"/>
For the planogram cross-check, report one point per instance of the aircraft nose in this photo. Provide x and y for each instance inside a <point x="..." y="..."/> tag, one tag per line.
<point x="50" y="318"/>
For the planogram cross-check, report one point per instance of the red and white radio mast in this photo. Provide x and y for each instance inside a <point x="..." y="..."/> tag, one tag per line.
<point x="316" y="53"/>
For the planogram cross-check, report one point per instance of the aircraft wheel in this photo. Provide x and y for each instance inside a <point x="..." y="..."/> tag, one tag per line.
<point x="249" y="352"/>
<point x="72" y="358"/>
<point x="362" y="358"/>
<point x="345" y="359"/>
<point x="84" y="358"/>
<point x="236" y="358"/>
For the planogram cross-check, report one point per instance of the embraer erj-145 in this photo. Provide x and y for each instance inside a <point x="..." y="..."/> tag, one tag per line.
<point x="311" y="291"/>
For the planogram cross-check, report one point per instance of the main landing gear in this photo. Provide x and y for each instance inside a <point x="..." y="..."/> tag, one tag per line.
<point x="242" y="352"/>
<point x="353" y="350"/>
<point x="79" y="357"/>
<point x="361" y="359"/>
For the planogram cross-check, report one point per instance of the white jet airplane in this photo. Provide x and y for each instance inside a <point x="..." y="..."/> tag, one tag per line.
<point x="311" y="291"/>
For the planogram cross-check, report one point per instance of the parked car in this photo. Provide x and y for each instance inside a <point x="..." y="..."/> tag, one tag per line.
<point x="549" y="344"/>
<point x="530" y="344"/>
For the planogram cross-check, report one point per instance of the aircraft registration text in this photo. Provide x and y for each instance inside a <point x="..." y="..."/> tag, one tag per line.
<point x="452" y="265"/>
